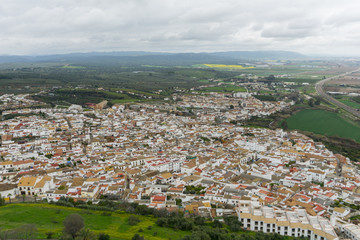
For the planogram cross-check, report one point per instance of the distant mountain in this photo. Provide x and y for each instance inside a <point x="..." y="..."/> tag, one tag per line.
<point x="260" y="55"/>
<point x="139" y="57"/>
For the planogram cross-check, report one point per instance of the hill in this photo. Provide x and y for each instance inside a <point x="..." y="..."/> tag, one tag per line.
<point x="49" y="218"/>
<point x="157" y="58"/>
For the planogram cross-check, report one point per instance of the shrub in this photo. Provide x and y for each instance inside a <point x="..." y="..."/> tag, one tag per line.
<point x="137" y="237"/>
<point x="103" y="236"/>
<point x="133" y="220"/>
<point x="49" y="235"/>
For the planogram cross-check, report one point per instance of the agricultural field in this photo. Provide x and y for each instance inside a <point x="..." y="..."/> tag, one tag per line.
<point x="349" y="101"/>
<point x="227" y="66"/>
<point x="73" y="67"/>
<point x="224" y="88"/>
<point x="147" y="79"/>
<point x="49" y="218"/>
<point x="325" y="123"/>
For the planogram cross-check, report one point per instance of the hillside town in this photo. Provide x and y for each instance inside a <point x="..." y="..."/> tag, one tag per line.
<point x="184" y="154"/>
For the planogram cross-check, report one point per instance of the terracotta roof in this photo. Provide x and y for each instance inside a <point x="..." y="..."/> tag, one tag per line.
<point x="27" y="182"/>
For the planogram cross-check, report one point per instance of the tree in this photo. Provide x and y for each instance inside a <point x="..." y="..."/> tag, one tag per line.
<point x="271" y="78"/>
<point x="137" y="237"/>
<point x="9" y="196"/>
<point x="311" y="102"/>
<point x="49" y="235"/>
<point x="73" y="224"/>
<point x="217" y="224"/>
<point x="199" y="221"/>
<point x="178" y="202"/>
<point x="133" y="220"/>
<point x="85" y="234"/>
<point x="233" y="223"/>
<point x="284" y="125"/>
<point x="2" y="201"/>
<point x="103" y="236"/>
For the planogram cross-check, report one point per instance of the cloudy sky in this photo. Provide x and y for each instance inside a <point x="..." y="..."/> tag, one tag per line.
<point x="330" y="27"/>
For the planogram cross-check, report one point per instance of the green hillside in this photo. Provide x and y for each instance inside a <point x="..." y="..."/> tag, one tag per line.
<point x="49" y="218"/>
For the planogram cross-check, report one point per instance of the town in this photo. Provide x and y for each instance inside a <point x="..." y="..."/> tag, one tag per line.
<point x="189" y="153"/>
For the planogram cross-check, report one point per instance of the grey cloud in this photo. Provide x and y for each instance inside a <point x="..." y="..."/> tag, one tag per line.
<point x="59" y="26"/>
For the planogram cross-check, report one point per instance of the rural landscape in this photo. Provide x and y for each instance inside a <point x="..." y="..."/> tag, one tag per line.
<point x="179" y="120"/>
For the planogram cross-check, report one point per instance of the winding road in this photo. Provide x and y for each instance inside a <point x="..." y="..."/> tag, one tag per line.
<point x="320" y="90"/>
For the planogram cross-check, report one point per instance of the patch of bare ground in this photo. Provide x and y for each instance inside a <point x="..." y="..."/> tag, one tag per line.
<point x="341" y="89"/>
<point x="347" y="80"/>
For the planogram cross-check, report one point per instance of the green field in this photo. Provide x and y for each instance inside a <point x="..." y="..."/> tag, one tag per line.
<point x="324" y="122"/>
<point x="227" y="88"/>
<point x="348" y="101"/>
<point x="50" y="218"/>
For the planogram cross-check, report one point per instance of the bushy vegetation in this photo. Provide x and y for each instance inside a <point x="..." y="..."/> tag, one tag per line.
<point x="191" y="189"/>
<point x="265" y="97"/>
<point x="341" y="203"/>
<point x="49" y="221"/>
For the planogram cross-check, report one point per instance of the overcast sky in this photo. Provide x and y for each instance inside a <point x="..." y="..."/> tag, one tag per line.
<point x="329" y="27"/>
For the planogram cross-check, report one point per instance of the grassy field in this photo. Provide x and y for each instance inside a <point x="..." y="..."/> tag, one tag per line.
<point x="348" y="101"/>
<point x="351" y="103"/>
<point x="324" y="122"/>
<point x="227" y="88"/>
<point x="50" y="218"/>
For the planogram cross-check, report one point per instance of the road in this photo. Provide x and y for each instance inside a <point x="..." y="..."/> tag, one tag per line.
<point x="320" y="90"/>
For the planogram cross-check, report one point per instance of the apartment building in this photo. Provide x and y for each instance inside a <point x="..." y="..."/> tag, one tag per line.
<point x="296" y="223"/>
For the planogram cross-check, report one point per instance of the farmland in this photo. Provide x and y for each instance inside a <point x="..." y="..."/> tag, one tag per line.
<point x="224" y="88"/>
<point x="349" y="101"/>
<point x="227" y="66"/>
<point x="324" y="122"/>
